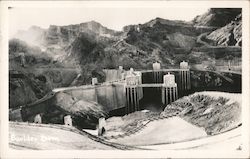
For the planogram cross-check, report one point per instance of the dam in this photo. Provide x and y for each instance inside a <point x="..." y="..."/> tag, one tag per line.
<point x="127" y="91"/>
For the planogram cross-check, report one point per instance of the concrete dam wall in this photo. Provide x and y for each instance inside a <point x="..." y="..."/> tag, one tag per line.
<point x="110" y="96"/>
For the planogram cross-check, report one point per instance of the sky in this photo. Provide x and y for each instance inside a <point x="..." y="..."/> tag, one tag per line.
<point x="113" y="18"/>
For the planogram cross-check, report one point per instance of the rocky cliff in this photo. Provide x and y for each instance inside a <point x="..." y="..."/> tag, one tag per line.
<point x="25" y="88"/>
<point x="138" y="45"/>
<point x="217" y="17"/>
<point x="229" y="35"/>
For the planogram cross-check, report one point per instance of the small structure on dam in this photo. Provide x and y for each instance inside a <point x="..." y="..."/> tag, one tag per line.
<point x="120" y="68"/>
<point x="132" y="91"/>
<point x="169" y="89"/>
<point x="38" y="119"/>
<point x="121" y="74"/>
<point x="156" y="72"/>
<point x="101" y="126"/>
<point x="184" y="76"/>
<point x="94" y="81"/>
<point x="68" y="120"/>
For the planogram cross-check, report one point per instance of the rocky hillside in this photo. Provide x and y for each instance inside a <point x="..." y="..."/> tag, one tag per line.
<point x="56" y="39"/>
<point x="32" y="73"/>
<point x="161" y="39"/>
<point x="217" y="17"/>
<point x="229" y="35"/>
<point x="24" y="89"/>
<point x="22" y="53"/>
<point x="228" y="22"/>
<point x="136" y="46"/>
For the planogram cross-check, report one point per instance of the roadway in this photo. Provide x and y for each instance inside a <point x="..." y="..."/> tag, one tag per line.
<point x="230" y="141"/>
<point x="26" y="136"/>
<point x="163" y="70"/>
<point x="30" y="136"/>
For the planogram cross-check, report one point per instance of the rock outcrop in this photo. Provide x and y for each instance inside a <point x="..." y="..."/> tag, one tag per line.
<point x="209" y="110"/>
<point x="25" y="89"/>
<point x="229" y="35"/>
<point x="85" y="114"/>
<point x="217" y="17"/>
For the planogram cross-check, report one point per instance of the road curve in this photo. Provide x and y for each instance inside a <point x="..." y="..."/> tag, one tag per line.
<point x="230" y="140"/>
<point x="56" y="137"/>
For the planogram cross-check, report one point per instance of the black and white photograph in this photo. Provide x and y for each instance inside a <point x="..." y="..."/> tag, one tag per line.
<point x="136" y="78"/>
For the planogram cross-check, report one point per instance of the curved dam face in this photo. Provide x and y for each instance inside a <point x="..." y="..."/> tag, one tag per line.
<point x="111" y="97"/>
